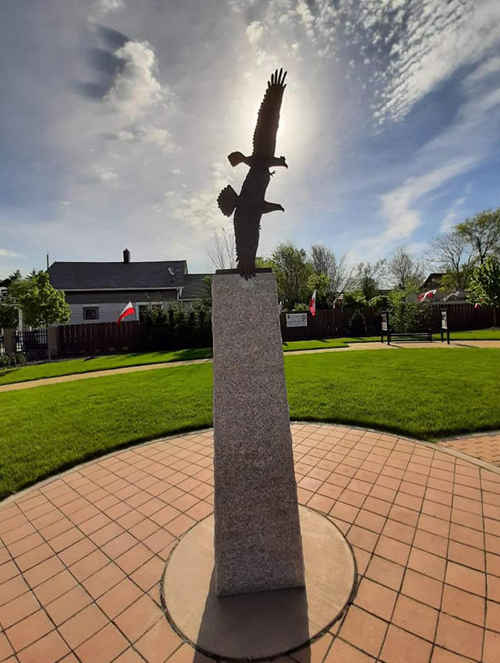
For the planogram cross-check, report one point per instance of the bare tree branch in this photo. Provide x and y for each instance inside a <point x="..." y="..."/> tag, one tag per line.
<point x="222" y="250"/>
<point x="405" y="270"/>
<point x="339" y="274"/>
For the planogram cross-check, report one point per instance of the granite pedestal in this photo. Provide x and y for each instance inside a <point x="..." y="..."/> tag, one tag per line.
<point x="258" y="543"/>
<point x="261" y="625"/>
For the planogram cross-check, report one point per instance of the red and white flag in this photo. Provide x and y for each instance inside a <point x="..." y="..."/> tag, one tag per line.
<point x="128" y="310"/>
<point x="477" y="305"/>
<point x="426" y="295"/>
<point x="338" y="299"/>
<point x="312" y="304"/>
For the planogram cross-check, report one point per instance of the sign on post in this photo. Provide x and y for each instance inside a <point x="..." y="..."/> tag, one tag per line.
<point x="384" y="326"/>
<point x="296" y="319"/>
<point x="444" y="326"/>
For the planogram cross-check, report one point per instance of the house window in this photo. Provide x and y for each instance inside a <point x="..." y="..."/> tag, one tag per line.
<point x="91" y="313"/>
<point x="143" y="309"/>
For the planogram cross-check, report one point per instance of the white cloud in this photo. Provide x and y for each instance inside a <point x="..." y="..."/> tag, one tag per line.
<point x="136" y="88"/>
<point x="407" y="48"/>
<point x="5" y="253"/>
<point x="490" y="66"/>
<point x="254" y="32"/>
<point x="305" y="15"/>
<point x="106" y="174"/>
<point x="108" y="6"/>
<point x="398" y="206"/>
<point x="162" y="138"/>
<point x="400" y="210"/>
<point x="201" y="211"/>
<point x="452" y="214"/>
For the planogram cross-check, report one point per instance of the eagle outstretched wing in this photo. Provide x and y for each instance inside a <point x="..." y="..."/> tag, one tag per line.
<point x="264" y="137"/>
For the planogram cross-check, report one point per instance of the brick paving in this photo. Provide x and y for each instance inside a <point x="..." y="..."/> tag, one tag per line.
<point x="81" y="556"/>
<point x="485" y="446"/>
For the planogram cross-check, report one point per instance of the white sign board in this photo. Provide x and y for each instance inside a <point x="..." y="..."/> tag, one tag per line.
<point x="296" y="319"/>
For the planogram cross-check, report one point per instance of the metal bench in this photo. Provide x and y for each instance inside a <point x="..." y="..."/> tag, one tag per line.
<point x="410" y="336"/>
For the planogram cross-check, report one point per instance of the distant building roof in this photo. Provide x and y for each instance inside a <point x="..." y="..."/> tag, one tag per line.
<point x="117" y="275"/>
<point x="195" y="286"/>
<point x="433" y="279"/>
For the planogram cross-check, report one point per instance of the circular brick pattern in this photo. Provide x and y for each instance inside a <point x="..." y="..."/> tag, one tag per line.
<point x="81" y="555"/>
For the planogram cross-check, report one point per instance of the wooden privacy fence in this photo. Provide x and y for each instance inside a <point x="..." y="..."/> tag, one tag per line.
<point x="329" y="323"/>
<point x="463" y="316"/>
<point x="102" y="337"/>
<point x="105" y="337"/>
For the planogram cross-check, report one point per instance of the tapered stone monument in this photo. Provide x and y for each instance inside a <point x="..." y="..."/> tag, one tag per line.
<point x="263" y="577"/>
<point x="257" y="531"/>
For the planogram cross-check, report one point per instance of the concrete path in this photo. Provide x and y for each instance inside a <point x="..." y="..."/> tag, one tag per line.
<point x="372" y="345"/>
<point x="82" y="555"/>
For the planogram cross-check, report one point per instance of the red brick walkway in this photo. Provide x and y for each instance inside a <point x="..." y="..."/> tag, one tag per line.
<point x="485" y="446"/>
<point x="82" y="555"/>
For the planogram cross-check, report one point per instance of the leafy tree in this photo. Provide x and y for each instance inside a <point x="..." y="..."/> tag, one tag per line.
<point x="357" y="324"/>
<point x="354" y="299"/>
<point x="484" y="285"/>
<point x="407" y="317"/>
<point x="368" y="278"/>
<point x="206" y="300"/>
<point x="9" y="315"/>
<point x="42" y="305"/>
<point x="261" y="262"/>
<point x="11" y="289"/>
<point x="405" y="271"/>
<point x="378" y="302"/>
<point x="292" y="271"/>
<point x="482" y="232"/>
<point x="458" y="280"/>
<point x="321" y="284"/>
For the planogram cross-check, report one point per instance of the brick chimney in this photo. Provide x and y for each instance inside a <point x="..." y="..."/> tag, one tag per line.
<point x="126" y="256"/>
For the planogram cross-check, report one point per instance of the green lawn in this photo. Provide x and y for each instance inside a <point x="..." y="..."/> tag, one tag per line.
<point x="420" y="393"/>
<point x="324" y="343"/>
<point x="492" y="334"/>
<point x="107" y="362"/>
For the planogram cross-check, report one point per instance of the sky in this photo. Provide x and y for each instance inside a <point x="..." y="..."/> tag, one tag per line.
<point x="116" y="118"/>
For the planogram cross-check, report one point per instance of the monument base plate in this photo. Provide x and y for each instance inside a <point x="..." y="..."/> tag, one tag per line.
<point x="262" y="625"/>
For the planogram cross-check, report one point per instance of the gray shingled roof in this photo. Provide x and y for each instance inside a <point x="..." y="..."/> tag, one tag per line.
<point x="195" y="286"/>
<point x="117" y="275"/>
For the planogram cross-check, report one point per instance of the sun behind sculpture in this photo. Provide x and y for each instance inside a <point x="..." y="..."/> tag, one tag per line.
<point x="250" y="205"/>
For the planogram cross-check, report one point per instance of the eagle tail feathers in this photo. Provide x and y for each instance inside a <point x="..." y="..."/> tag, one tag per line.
<point x="227" y="200"/>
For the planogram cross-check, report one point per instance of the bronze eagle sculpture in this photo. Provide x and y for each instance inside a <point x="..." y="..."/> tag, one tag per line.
<point x="250" y="205"/>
